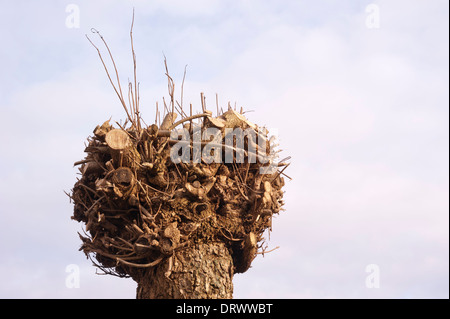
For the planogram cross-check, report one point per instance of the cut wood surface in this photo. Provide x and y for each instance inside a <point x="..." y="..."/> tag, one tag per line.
<point x="117" y="139"/>
<point x="121" y="148"/>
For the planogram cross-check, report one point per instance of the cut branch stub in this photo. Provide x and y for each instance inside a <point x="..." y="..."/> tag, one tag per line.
<point x="101" y="131"/>
<point x="234" y="119"/>
<point x="170" y="239"/>
<point x="123" y="176"/>
<point x="216" y="122"/>
<point x="249" y="250"/>
<point x="121" y="149"/>
<point x="169" y="119"/>
<point x="118" y="140"/>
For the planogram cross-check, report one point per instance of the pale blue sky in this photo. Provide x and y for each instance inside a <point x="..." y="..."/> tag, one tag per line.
<point x="363" y="113"/>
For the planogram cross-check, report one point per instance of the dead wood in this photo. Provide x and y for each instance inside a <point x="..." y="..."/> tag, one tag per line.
<point x="174" y="226"/>
<point x="133" y="191"/>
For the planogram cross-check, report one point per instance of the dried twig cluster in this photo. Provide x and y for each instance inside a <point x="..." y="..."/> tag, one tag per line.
<point x="140" y="207"/>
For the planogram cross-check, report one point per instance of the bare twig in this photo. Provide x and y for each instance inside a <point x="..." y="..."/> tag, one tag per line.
<point x="136" y="94"/>
<point x="267" y="251"/>
<point x="192" y="117"/>
<point x="170" y="85"/>
<point x="182" y="86"/>
<point x="152" y="264"/>
<point x="118" y="92"/>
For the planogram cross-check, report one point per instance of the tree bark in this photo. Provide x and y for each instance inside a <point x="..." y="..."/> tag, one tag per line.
<point x="202" y="271"/>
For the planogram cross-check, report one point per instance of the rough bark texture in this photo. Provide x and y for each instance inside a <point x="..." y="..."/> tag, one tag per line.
<point x="198" y="272"/>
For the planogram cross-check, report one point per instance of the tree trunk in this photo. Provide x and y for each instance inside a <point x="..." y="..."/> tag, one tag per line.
<point x="197" y="272"/>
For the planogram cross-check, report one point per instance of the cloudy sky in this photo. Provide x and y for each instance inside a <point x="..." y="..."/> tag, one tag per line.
<point x="358" y="91"/>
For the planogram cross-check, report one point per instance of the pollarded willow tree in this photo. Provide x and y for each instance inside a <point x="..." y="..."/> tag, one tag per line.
<point x="178" y="206"/>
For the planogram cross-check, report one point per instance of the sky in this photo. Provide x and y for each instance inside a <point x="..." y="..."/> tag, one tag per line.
<point x="357" y="91"/>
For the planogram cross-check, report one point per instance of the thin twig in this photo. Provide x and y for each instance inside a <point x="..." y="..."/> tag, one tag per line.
<point x="281" y="172"/>
<point x="182" y="85"/>
<point x="136" y="105"/>
<point x="217" y="103"/>
<point x="187" y="119"/>
<point x="267" y="251"/>
<point x="112" y="59"/>
<point x="153" y="263"/>
<point x="107" y="73"/>
<point x="203" y="102"/>
<point x="170" y="85"/>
